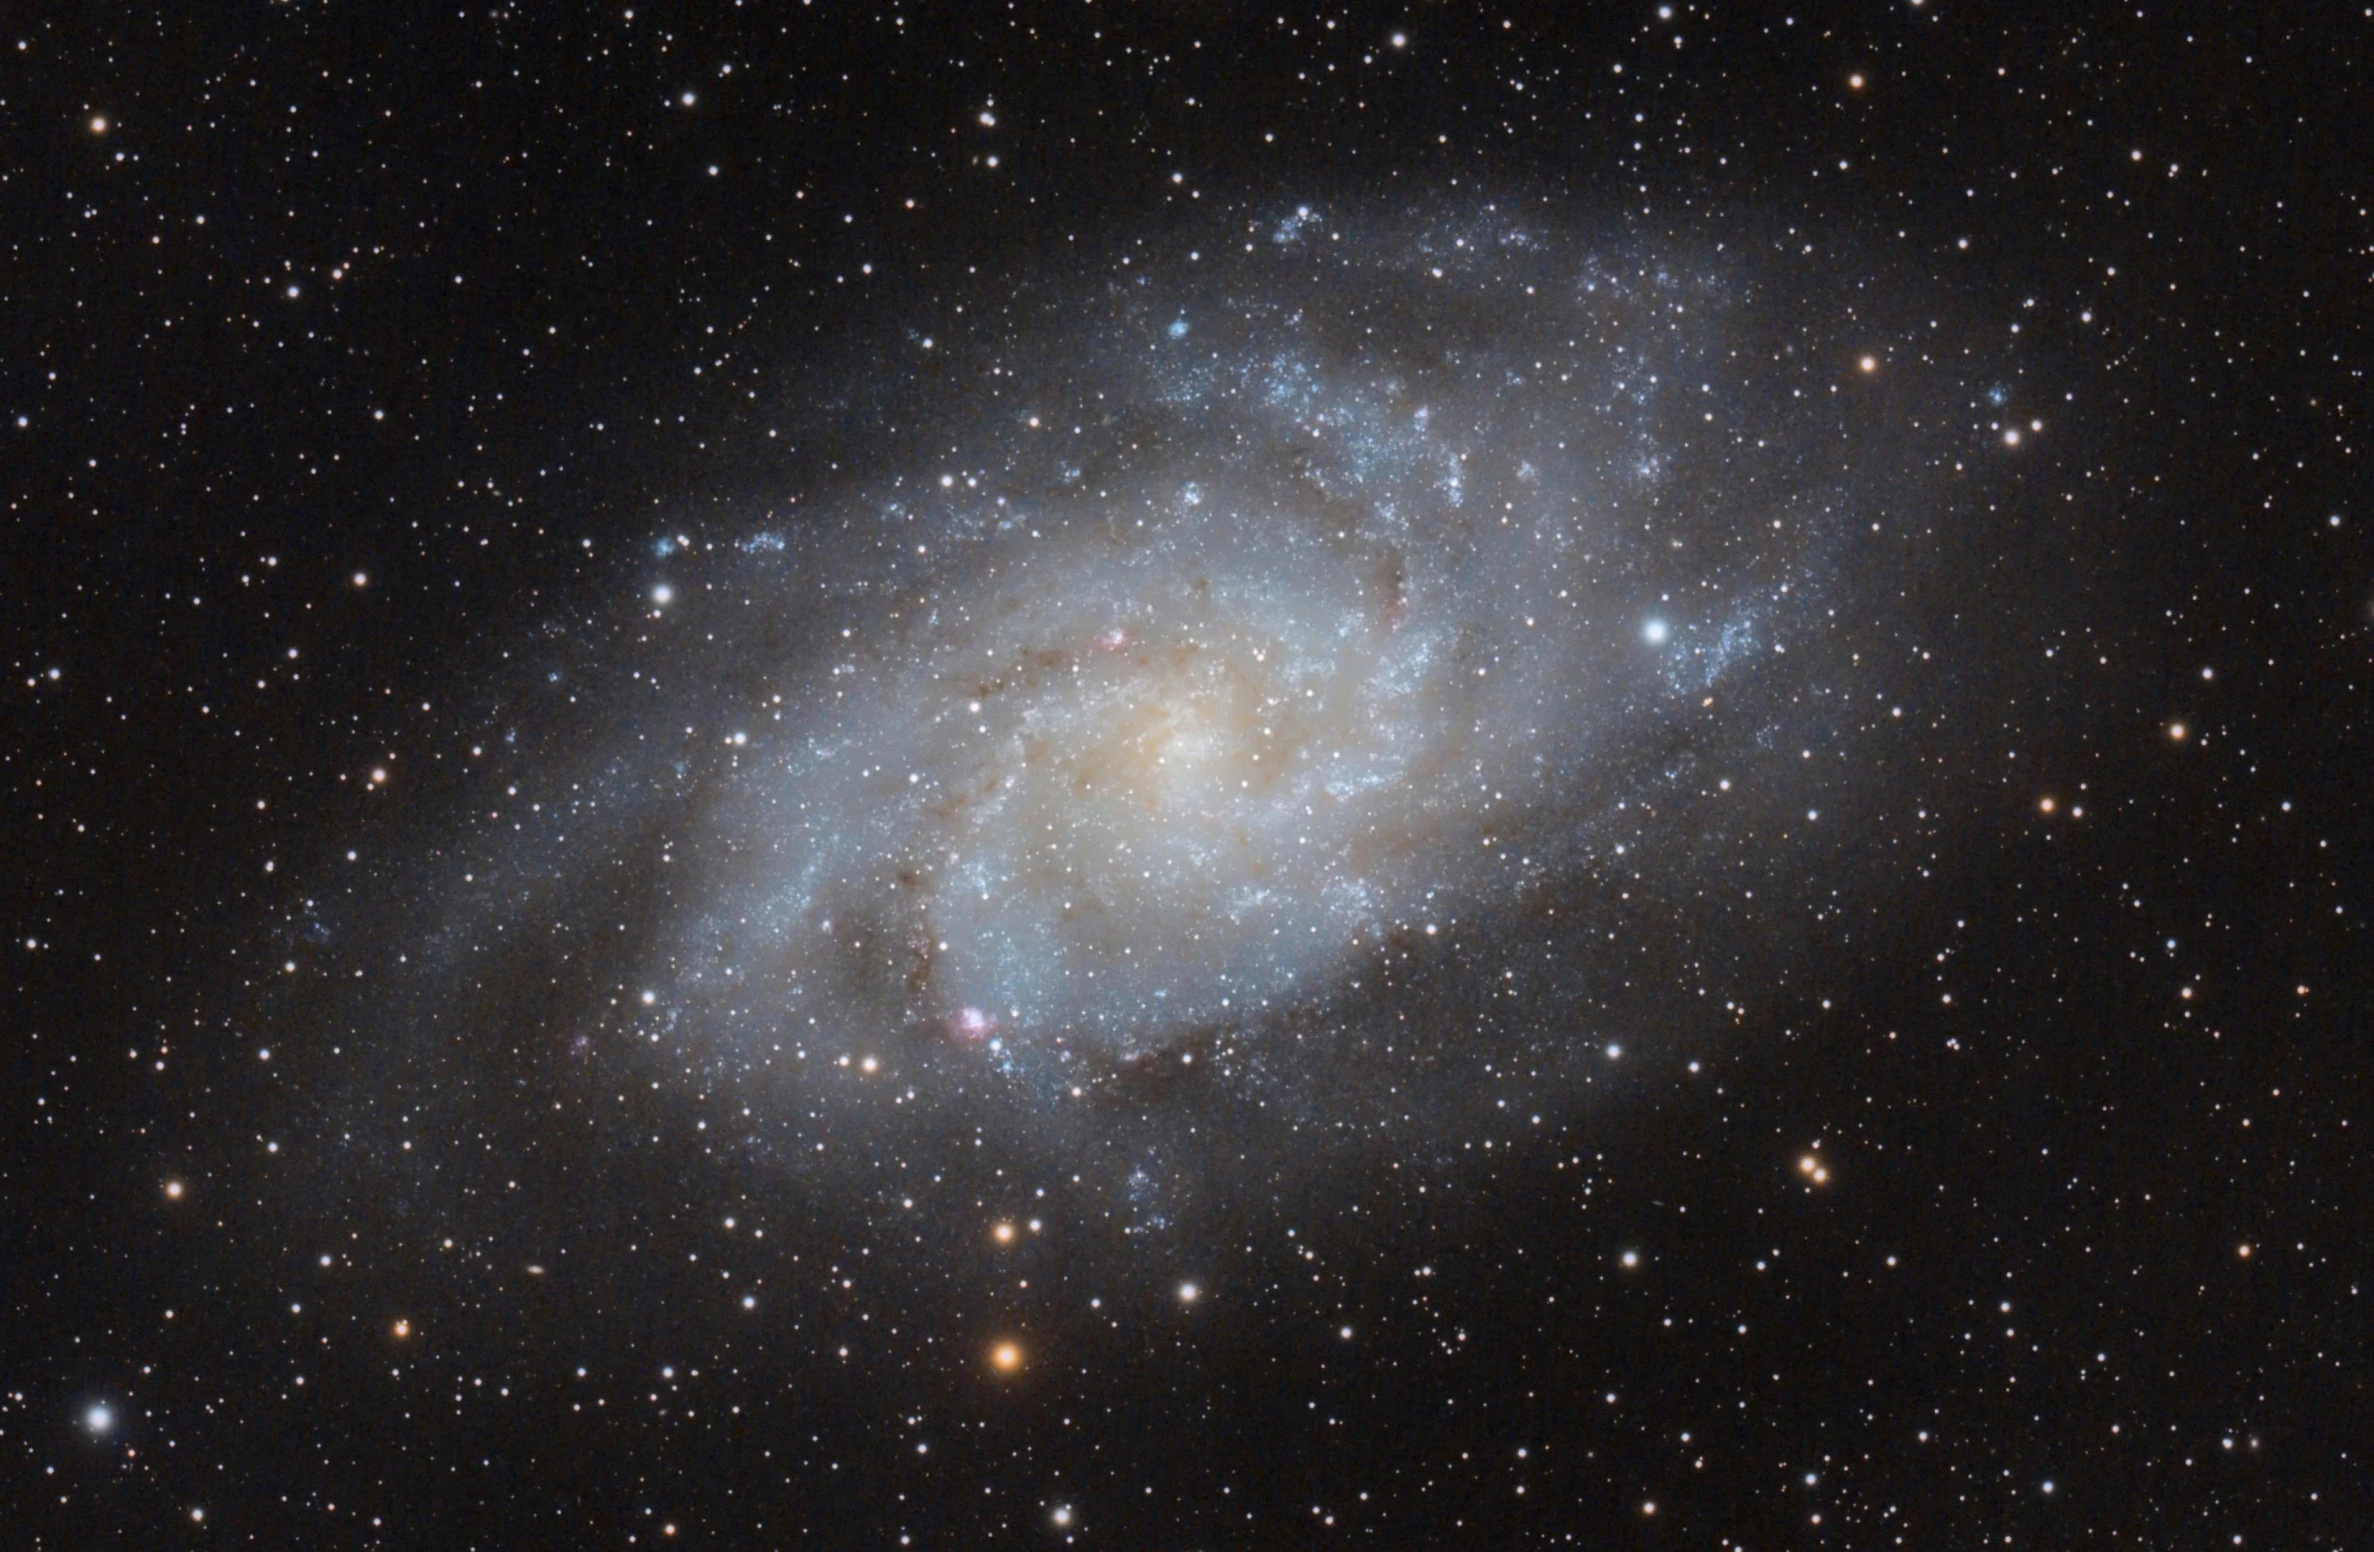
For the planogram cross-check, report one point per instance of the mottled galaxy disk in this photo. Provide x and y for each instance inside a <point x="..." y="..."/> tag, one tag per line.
<point x="1241" y="705"/>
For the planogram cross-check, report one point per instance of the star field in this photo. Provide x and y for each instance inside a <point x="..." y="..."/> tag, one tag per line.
<point x="1182" y="777"/>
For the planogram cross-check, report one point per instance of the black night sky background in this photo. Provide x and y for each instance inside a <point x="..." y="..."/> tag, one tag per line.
<point x="469" y="474"/>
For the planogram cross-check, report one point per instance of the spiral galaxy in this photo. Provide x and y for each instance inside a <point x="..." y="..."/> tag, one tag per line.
<point x="1282" y="678"/>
